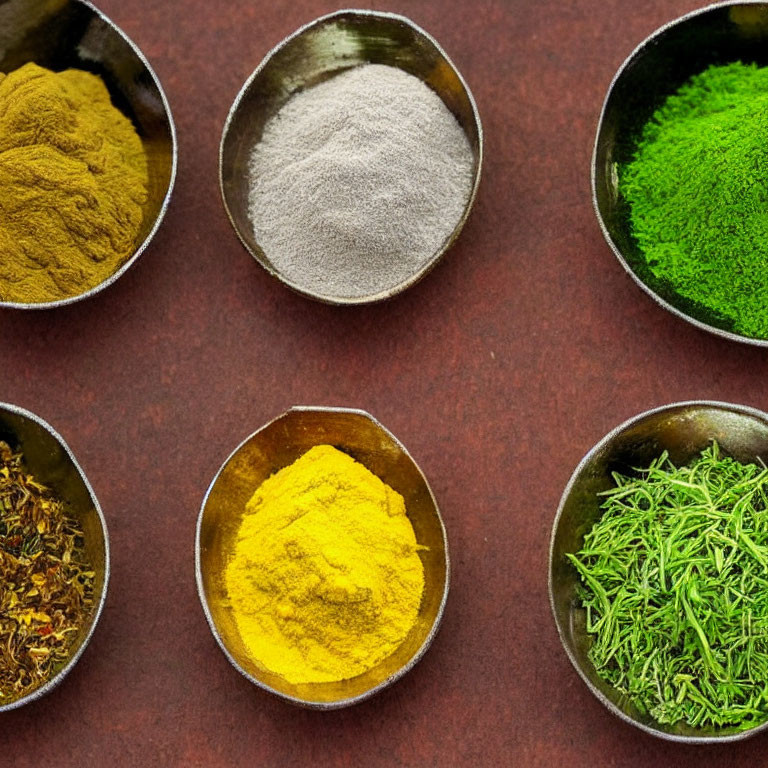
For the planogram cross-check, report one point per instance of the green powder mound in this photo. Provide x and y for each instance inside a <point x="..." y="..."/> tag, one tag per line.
<point x="697" y="188"/>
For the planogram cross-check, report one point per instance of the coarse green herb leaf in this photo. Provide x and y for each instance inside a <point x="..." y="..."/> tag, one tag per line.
<point x="675" y="588"/>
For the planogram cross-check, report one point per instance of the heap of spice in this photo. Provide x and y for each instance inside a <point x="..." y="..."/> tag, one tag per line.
<point x="73" y="185"/>
<point x="46" y="582"/>
<point x="358" y="181"/>
<point x="675" y="588"/>
<point x="326" y="580"/>
<point x="697" y="189"/>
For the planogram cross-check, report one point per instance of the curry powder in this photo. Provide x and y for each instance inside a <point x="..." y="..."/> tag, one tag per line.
<point x="326" y="580"/>
<point x="73" y="184"/>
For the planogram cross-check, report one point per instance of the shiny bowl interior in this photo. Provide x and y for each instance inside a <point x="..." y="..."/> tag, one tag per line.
<point x="719" y="34"/>
<point x="273" y="447"/>
<point x="73" y="34"/>
<point x="314" y="53"/>
<point x="684" y="430"/>
<point x="49" y="459"/>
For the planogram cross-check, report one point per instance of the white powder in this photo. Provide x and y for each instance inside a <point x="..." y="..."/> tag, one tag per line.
<point x="358" y="181"/>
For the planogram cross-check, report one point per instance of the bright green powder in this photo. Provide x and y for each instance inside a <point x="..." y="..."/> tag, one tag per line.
<point x="697" y="188"/>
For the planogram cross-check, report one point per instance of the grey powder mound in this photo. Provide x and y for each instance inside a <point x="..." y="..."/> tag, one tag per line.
<point x="358" y="181"/>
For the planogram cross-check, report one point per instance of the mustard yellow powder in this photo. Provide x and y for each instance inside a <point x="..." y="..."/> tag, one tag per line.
<point x="326" y="580"/>
<point x="73" y="183"/>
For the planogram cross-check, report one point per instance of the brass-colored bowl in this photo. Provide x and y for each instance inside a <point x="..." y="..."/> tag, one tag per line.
<point x="317" y="51"/>
<point x="273" y="447"/>
<point x="718" y="34"/>
<point x="50" y="461"/>
<point x="74" y="34"/>
<point x="684" y="430"/>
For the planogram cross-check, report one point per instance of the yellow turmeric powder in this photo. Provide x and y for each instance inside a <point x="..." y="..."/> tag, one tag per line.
<point x="73" y="183"/>
<point x="326" y="580"/>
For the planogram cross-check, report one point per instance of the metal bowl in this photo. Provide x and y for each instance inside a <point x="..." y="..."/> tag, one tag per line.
<point x="51" y="462"/>
<point x="64" y="34"/>
<point x="322" y="48"/>
<point x="727" y="32"/>
<point x="268" y="450"/>
<point x="683" y="429"/>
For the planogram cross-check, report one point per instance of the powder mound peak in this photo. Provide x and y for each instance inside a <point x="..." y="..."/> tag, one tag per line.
<point x="326" y="580"/>
<point x="73" y="184"/>
<point x="698" y="195"/>
<point x="358" y="181"/>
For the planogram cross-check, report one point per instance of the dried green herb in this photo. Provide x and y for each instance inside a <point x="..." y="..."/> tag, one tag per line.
<point x="675" y="588"/>
<point x="46" y="584"/>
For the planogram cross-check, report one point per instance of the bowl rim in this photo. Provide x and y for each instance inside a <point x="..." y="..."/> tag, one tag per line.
<point x="261" y="258"/>
<point x="636" y="52"/>
<point x="49" y="685"/>
<point x="745" y="410"/>
<point x="113" y="278"/>
<point x="427" y="642"/>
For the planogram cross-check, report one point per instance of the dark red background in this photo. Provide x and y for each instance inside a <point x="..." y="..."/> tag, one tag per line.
<point x="497" y="372"/>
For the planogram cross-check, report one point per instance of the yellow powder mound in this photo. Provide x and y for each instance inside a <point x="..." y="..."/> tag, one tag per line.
<point x="325" y="581"/>
<point x="73" y="182"/>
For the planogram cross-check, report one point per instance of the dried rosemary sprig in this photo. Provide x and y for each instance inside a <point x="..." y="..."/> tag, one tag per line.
<point x="46" y="585"/>
<point x="675" y="588"/>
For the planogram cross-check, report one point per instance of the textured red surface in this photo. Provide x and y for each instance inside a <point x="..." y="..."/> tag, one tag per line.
<point x="498" y="372"/>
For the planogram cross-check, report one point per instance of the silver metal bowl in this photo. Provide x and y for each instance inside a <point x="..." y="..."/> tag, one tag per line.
<point x="727" y="32"/>
<point x="268" y="450"/>
<point x="51" y="462"/>
<point x="318" y="50"/>
<point x="683" y="429"/>
<point x="63" y="34"/>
